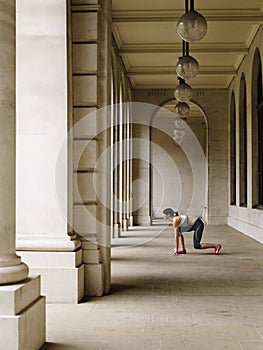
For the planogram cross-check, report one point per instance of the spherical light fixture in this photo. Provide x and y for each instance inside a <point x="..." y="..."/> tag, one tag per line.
<point x="182" y="109"/>
<point x="183" y="92"/>
<point x="178" y="136"/>
<point x="187" y="67"/>
<point x="192" y="26"/>
<point x="178" y="133"/>
<point x="179" y="123"/>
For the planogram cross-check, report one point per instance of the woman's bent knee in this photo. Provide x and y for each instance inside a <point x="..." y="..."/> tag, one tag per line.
<point x="197" y="245"/>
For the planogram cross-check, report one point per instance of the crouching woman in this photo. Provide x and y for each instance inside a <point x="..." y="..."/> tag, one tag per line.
<point x="185" y="223"/>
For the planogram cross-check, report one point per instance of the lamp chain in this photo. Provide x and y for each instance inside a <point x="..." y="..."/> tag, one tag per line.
<point x="186" y="6"/>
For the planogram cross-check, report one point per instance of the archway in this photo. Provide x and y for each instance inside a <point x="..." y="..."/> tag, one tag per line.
<point x="177" y="190"/>
<point x="232" y="150"/>
<point x="257" y="137"/>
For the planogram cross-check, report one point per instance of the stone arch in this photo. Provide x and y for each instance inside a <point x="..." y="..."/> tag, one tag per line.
<point x="257" y="133"/>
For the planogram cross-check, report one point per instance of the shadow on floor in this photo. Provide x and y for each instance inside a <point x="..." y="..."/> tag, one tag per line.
<point x="55" y="346"/>
<point x="117" y="288"/>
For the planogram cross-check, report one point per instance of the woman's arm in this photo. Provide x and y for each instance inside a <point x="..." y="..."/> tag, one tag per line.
<point x="176" y="234"/>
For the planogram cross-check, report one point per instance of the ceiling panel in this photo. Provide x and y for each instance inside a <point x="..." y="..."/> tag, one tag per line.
<point x="170" y="59"/>
<point x="165" y="32"/>
<point x="179" y="4"/>
<point x="149" y="33"/>
<point x="147" y="4"/>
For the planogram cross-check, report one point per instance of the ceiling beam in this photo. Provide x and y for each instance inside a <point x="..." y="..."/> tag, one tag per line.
<point x="172" y="86"/>
<point x="230" y="15"/>
<point x="212" y="48"/>
<point x="229" y="71"/>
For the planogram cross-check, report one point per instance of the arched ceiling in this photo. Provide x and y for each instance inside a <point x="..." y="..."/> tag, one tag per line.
<point x="146" y="37"/>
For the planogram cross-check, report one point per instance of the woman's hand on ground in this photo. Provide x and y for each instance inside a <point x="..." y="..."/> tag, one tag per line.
<point x="174" y="252"/>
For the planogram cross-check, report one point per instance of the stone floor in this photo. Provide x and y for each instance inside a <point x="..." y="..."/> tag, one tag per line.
<point x="160" y="302"/>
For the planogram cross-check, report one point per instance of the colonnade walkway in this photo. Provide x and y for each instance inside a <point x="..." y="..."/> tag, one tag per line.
<point x="196" y="301"/>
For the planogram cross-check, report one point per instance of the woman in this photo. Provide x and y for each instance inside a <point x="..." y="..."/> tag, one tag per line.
<point x="185" y="223"/>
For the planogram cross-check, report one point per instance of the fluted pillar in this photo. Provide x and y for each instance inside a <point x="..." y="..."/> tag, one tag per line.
<point x="11" y="268"/>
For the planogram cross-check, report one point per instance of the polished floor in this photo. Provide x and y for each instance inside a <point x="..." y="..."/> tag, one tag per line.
<point x="196" y="301"/>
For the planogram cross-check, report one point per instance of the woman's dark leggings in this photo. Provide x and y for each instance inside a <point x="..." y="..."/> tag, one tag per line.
<point x="198" y="228"/>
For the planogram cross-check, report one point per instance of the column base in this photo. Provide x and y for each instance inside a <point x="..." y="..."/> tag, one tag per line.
<point x="142" y="220"/>
<point x="117" y="230"/>
<point x="62" y="274"/>
<point x="131" y="221"/>
<point x="125" y="224"/>
<point x="94" y="272"/>
<point x="56" y="244"/>
<point x="22" y="316"/>
<point x="13" y="274"/>
<point x="94" y="280"/>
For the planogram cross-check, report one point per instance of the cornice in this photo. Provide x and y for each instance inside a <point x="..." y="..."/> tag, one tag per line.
<point x="217" y="15"/>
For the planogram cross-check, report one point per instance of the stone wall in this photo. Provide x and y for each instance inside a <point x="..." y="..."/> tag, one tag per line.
<point x="247" y="219"/>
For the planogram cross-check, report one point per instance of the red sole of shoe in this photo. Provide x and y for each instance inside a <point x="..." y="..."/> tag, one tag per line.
<point x="216" y="252"/>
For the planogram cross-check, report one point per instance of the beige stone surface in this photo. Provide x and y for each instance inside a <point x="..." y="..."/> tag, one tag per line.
<point x="94" y="279"/>
<point x="7" y="130"/>
<point x="22" y="315"/>
<point x="92" y="256"/>
<point x="84" y="26"/>
<point x="85" y="122"/>
<point x="42" y="94"/>
<point x="89" y="243"/>
<point x="84" y="58"/>
<point x="16" y="297"/>
<point x="85" y="90"/>
<point x="85" y="219"/>
<point x="25" y="331"/>
<point x="51" y="259"/>
<point x="85" y="154"/>
<point x="62" y="285"/>
<point x="84" y="190"/>
<point x="11" y="268"/>
<point x="161" y="302"/>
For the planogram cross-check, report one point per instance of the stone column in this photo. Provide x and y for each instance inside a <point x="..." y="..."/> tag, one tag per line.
<point x="140" y="166"/>
<point x="116" y="178"/>
<point x="129" y="190"/>
<point x="11" y="268"/>
<point x="125" y="162"/>
<point x="120" y="167"/>
<point x="20" y="300"/>
<point x="44" y="154"/>
<point x="103" y="180"/>
<point x="91" y="44"/>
